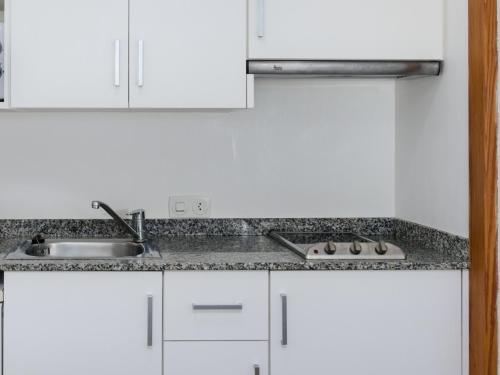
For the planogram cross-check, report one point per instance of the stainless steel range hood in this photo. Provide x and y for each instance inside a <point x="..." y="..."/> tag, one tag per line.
<point x="337" y="68"/>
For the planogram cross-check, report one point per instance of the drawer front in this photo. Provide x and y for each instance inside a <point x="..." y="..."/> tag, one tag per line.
<point x="212" y="305"/>
<point x="216" y="357"/>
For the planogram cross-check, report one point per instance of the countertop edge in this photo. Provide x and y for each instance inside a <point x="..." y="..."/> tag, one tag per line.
<point x="144" y="266"/>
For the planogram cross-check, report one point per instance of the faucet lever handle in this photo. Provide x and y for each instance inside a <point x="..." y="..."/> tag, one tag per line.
<point x="138" y="223"/>
<point x="137" y="213"/>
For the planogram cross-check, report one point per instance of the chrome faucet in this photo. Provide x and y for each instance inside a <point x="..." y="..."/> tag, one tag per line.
<point x="137" y="230"/>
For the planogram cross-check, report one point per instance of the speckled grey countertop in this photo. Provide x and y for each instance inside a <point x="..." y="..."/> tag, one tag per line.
<point x="263" y="253"/>
<point x="255" y="252"/>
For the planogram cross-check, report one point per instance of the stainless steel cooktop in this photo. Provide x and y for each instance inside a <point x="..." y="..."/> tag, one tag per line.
<point x="341" y="246"/>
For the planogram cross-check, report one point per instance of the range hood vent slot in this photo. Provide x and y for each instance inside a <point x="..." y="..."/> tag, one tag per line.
<point x="337" y="68"/>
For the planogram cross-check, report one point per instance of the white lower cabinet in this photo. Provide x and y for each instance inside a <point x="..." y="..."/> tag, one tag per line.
<point x="366" y="322"/>
<point x="216" y="323"/>
<point x="234" y="323"/>
<point x="215" y="358"/>
<point x="216" y="305"/>
<point x="82" y="323"/>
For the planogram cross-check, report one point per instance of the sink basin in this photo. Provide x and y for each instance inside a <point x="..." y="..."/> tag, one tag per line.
<point x="84" y="249"/>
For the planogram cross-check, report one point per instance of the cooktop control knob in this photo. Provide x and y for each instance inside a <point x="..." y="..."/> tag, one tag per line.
<point x="381" y="248"/>
<point x="330" y="248"/>
<point x="355" y="248"/>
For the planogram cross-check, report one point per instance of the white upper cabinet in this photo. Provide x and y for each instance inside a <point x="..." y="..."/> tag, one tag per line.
<point x="188" y="54"/>
<point x="183" y="54"/>
<point x="69" y="53"/>
<point x="346" y="29"/>
<point x="192" y="54"/>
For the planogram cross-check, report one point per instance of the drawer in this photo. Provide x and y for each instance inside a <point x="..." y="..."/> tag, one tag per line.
<point x="215" y="357"/>
<point x="225" y="305"/>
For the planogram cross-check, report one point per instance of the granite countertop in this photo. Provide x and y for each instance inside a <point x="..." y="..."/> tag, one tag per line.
<point x="255" y="252"/>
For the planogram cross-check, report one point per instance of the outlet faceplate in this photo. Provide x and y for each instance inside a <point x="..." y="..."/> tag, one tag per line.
<point x="189" y="206"/>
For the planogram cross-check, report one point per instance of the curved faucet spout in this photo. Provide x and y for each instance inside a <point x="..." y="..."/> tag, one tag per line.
<point x="137" y="235"/>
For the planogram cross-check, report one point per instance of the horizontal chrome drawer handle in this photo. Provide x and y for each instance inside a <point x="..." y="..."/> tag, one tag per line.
<point x="237" y="306"/>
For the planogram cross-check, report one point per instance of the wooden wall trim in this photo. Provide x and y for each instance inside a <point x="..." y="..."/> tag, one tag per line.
<point x="483" y="185"/>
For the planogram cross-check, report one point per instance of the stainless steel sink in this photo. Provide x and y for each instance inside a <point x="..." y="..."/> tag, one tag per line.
<point x="84" y="249"/>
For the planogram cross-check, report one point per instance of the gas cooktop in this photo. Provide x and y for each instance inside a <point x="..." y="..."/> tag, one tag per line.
<point x="341" y="246"/>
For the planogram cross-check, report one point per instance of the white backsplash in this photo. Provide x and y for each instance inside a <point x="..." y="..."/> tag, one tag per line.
<point x="310" y="148"/>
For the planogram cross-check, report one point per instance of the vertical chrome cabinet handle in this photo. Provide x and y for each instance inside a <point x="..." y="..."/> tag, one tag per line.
<point x="150" y="320"/>
<point x="261" y="18"/>
<point x="256" y="369"/>
<point x="117" y="63"/>
<point x="284" y="323"/>
<point x="140" y="64"/>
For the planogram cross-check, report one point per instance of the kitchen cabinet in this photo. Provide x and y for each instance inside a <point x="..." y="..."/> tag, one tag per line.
<point x="192" y="54"/>
<point x="220" y="358"/>
<point x="188" y="54"/>
<point x="183" y="54"/>
<point x="366" y="322"/>
<point x="80" y="323"/>
<point x="346" y="29"/>
<point x="215" y="305"/>
<point x="220" y="318"/>
<point x="69" y="54"/>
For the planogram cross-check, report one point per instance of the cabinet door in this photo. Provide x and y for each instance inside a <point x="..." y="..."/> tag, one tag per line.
<point x="188" y="54"/>
<point x="69" y="53"/>
<point x="216" y="358"/>
<point x="346" y="29"/>
<point x="82" y="323"/>
<point x="359" y="323"/>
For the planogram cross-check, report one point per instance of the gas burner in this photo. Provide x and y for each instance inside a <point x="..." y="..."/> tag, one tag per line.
<point x="340" y="246"/>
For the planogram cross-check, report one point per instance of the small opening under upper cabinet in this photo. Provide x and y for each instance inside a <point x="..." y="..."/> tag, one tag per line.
<point x="2" y="51"/>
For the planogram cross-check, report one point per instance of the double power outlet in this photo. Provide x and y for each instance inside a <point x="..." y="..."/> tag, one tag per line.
<point x="189" y="206"/>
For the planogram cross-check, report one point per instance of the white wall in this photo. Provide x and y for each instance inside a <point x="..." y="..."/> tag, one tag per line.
<point x="311" y="148"/>
<point x="432" y="137"/>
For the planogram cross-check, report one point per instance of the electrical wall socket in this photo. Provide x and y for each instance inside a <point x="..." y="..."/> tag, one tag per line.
<point x="189" y="206"/>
